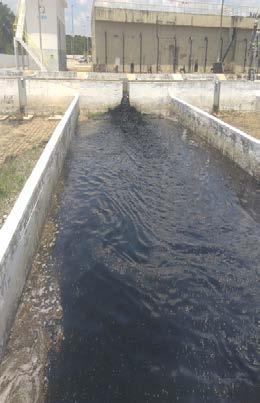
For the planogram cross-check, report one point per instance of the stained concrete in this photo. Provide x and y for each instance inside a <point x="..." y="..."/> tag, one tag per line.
<point x="241" y="148"/>
<point x="19" y="236"/>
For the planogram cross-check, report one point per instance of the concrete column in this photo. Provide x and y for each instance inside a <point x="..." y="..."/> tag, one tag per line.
<point x="217" y="86"/>
<point x="22" y="94"/>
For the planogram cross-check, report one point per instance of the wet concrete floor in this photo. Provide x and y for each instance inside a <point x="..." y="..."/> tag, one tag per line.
<point x="158" y="261"/>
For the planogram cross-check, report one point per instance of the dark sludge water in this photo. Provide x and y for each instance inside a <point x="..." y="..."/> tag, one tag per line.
<point x="158" y="259"/>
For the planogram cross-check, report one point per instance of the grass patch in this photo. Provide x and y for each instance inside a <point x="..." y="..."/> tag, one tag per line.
<point x="13" y="175"/>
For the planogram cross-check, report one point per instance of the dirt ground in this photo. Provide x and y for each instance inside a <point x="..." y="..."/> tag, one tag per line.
<point x="21" y="144"/>
<point x="248" y="122"/>
<point x="18" y="137"/>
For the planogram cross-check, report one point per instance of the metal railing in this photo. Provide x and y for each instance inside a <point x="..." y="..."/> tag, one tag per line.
<point x="186" y="7"/>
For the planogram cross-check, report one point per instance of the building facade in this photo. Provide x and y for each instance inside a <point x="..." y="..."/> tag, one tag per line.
<point x="128" y="37"/>
<point x="41" y="33"/>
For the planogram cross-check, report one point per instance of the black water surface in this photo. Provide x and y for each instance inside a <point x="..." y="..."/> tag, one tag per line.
<point x="158" y="258"/>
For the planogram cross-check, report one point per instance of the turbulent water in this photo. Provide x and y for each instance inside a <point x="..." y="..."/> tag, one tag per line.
<point x="158" y="259"/>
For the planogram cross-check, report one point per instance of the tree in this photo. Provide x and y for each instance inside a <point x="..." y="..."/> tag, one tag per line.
<point x="7" y="19"/>
<point x="79" y="45"/>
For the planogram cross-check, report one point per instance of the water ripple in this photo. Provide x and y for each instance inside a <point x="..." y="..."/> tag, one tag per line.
<point x="158" y="257"/>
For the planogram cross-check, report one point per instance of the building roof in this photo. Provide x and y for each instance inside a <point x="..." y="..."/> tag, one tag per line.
<point x="184" y="6"/>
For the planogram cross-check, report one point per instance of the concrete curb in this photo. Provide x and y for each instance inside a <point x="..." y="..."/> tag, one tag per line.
<point x="240" y="147"/>
<point x="20" y="235"/>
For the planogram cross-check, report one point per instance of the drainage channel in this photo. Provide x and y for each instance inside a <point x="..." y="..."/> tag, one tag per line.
<point x="157" y="258"/>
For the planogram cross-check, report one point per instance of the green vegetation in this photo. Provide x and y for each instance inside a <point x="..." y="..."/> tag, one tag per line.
<point x="78" y="45"/>
<point x="7" y="19"/>
<point x="13" y="175"/>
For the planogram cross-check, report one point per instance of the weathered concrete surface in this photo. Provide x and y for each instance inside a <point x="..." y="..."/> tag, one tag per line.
<point x="19" y="236"/>
<point x="115" y="14"/>
<point x="157" y="48"/>
<point x="9" y="99"/>
<point x="47" y="96"/>
<point x="154" y="97"/>
<point x="241" y="148"/>
<point x="51" y="93"/>
<point x="239" y="95"/>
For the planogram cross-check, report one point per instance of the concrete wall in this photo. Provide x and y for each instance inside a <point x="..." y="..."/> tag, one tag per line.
<point x="154" y="97"/>
<point x="9" y="99"/>
<point x="115" y="49"/>
<point x="239" y="95"/>
<point x="52" y="95"/>
<point x="20" y="235"/>
<point x="45" y="97"/>
<point x="241" y="148"/>
<point x="116" y="40"/>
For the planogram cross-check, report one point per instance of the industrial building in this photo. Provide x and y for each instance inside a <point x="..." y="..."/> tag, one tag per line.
<point x="170" y="36"/>
<point x="40" y="37"/>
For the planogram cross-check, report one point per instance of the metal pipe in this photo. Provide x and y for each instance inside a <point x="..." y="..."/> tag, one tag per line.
<point x="123" y="52"/>
<point x="175" y="54"/>
<point x="206" y="53"/>
<point x="40" y="30"/>
<point x="221" y="29"/>
<point x="190" y="56"/>
<point x="245" y="58"/>
<point x="221" y="48"/>
<point x="257" y="54"/>
<point x="141" y="51"/>
<point x="106" y="48"/>
<point x="158" y="45"/>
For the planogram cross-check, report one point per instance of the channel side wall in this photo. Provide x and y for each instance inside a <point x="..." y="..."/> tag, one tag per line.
<point x="154" y="97"/>
<point x="20" y="235"/>
<point x="241" y="148"/>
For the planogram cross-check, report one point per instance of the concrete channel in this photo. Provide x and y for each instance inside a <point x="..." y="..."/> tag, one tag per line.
<point x="20" y="236"/>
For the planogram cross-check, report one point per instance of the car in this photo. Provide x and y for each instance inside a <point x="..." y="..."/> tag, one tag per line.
<point x="82" y="59"/>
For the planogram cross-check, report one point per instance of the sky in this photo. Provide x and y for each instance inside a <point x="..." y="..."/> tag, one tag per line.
<point x="82" y="12"/>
